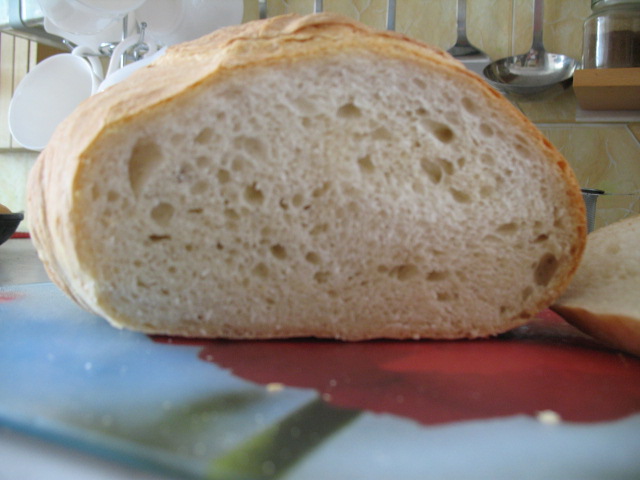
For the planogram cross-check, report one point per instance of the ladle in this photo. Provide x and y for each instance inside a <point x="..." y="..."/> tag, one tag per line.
<point x="535" y="71"/>
<point x="473" y="58"/>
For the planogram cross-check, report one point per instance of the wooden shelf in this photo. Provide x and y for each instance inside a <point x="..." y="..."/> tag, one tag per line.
<point x="608" y="88"/>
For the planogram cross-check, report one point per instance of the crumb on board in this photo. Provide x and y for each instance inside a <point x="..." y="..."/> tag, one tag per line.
<point x="548" y="417"/>
<point x="273" y="387"/>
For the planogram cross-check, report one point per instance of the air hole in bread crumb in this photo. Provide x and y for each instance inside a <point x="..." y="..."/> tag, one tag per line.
<point x="446" y="296"/>
<point x="420" y="83"/>
<point x="199" y="187"/>
<point x="159" y="238"/>
<point x="324" y="188"/>
<point x="204" y="136"/>
<point x="541" y="238"/>
<point x="312" y="258"/>
<point x="319" y="228"/>
<point x="459" y="196"/>
<point x="297" y="200"/>
<point x="469" y="105"/>
<point x="145" y="158"/>
<point x="251" y="145"/>
<point x="613" y="249"/>
<point x="447" y="166"/>
<point x="487" y="159"/>
<point x="112" y="196"/>
<point x="202" y="161"/>
<point x="321" y="277"/>
<point x="403" y="272"/>
<point x="279" y="252"/>
<point x="231" y="214"/>
<point x="253" y="194"/>
<point x="507" y="228"/>
<point x="381" y="133"/>
<point x="486" y="130"/>
<point x="261" y="271"/>
<point x="417" y="187"/>
<point x="238" y="164"/>
<point x="223" y="176"/>
<point x="365" y="164"/>
<point x="486" y="191"/>
<point x="526" y="292"/>
<point x="545" y="269"/>
<point x="437" y="275"/>
<point x="490" y="238"/>
<point x="349" y="110"/>
<point x="521" y="149"/>
<point x="433" y="171"/>
<point x="162" y="213"/>
<point x="442" y="132"/>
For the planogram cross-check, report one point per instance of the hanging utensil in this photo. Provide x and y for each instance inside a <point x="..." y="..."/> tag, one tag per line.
<point x="535" y="71"/>
<point x="472" y="57"/>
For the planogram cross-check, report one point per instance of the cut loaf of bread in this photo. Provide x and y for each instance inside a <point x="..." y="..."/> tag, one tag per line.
<point x="306" y="176"/>
<point x="603" y="299"/>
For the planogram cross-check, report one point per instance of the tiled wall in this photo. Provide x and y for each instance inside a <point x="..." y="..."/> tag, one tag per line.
<point x="604" y="150"/>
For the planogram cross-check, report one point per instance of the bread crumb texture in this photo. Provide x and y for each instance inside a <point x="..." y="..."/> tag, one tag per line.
<point x="329" y="181"/>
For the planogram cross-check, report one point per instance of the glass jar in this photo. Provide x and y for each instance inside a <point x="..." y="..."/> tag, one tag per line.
<point x="612" y="35"/>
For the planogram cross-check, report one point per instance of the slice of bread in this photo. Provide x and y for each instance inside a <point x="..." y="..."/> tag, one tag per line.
<point x="603" y="299"/>
<point x="306" y="176"/>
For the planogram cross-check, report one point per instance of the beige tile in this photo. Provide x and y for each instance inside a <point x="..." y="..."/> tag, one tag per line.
<point x="522" y="34"/>
<point x="370" y="12"/>
<point x="635" y="129"/>
<point x="603" y="157"/>
<point x="430" y="21"/>
<point x="563" y="26"/>
<point x="489" y="26"/>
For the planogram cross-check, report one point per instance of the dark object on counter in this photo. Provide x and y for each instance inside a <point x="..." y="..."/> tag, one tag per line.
<point x="607" y="88"/>
<point x="612" y="35"/>
<point x="8" y="225"/>
<point x="590" y="197"/>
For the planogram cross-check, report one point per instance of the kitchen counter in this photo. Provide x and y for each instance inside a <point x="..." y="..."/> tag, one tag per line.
<point x="25" y="456"/>
<point x="19" y="263"/>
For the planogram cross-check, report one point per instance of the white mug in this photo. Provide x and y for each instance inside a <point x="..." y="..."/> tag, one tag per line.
<point x="86" y="17"/>
<point x="49" y="93"/>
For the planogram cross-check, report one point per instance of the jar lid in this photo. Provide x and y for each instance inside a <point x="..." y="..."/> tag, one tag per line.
<point x="609" y="3"/>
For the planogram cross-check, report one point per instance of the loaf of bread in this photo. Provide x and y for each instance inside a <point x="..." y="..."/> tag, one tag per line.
<point x="306" y="176"/>
<point x="603" y="299"/>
